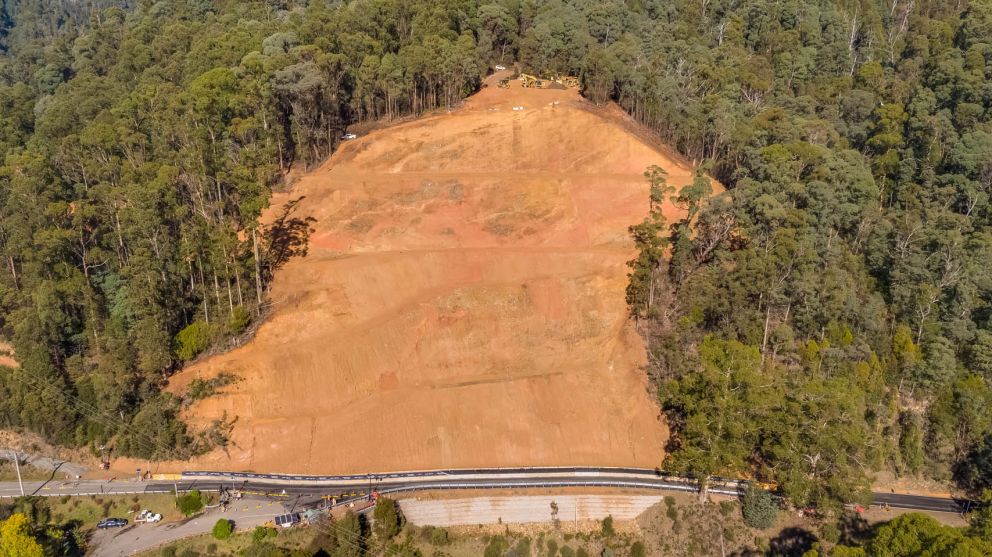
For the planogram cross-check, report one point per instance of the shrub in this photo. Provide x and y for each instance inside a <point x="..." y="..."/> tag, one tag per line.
<point x="522" y="549"/>
<point x="726" y="508"/>
<point x="435" y="535"/>
<point x="638" y="550"/>
<point x="552" y="548"/>
<point x="239" y="320"/>
<point x="191" y="503"/>
<point x="223" y="529"/>
<point x="581" y="552"/>
<point x="607" y="526"/>
<point x="671" y="512"/>
<point x="830" y="532"/>
<point x="169" y="551"/>
<point x="200" y="389"/>
<point x="260" y="533"/>
<point x="566" y="551"/>
<point x="759" y="508"/>
<point x="497" y="547"/>
<point x="192" y="340"/>
<point x="388" y="519"/>
<point x="211" y="549"/>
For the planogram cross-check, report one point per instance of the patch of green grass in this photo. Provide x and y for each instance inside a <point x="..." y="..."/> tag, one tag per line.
<point x="90" y="510"/>
<point x="240" y="540"/>
<point x="8" y="473"/>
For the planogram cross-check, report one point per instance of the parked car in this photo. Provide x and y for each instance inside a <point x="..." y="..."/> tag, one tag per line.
<point x="500" y="67"/>
<point x="349" y="136"/>
<point x="112" y="523"/>
<point x="148" y="516"/>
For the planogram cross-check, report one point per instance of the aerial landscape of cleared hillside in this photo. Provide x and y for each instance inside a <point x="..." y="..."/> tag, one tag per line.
<point x="462" y="302"/>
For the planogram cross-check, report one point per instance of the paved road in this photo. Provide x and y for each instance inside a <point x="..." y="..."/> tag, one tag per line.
<point x="83" y="487"/>
<point x="273" y="491"/>
<point x="922" y="502"/>
<point x="358" y="485"/>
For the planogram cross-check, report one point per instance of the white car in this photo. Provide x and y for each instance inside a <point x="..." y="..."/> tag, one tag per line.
<point x="148" y="516"/>
<point x="500" y="67"/>
<point x="349" y="136"/>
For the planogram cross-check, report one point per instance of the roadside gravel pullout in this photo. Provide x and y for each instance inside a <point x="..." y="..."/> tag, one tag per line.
<point x="524" y="509"/>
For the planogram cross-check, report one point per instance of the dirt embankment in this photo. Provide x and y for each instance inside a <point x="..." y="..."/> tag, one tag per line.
<point x="7" y="355"/>
<point x="462" y="303"/>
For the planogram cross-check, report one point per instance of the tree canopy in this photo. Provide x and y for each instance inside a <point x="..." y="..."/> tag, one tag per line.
<point x="825" y="318"/>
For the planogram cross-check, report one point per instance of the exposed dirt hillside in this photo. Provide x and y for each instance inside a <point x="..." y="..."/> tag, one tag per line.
<point x="462" y="303"/>
<point x="7" y="355"/>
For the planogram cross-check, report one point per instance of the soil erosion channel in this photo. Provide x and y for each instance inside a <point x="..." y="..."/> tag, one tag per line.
<point x="462" y="302"/>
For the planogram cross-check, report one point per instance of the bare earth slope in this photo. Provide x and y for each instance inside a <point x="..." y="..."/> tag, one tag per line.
<point x="462" y="303"/>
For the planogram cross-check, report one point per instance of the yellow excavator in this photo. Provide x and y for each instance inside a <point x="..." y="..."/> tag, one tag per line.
<point x="568" y="80"/>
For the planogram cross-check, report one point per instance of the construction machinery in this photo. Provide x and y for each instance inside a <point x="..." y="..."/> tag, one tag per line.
<point x="534" y="81"/>
<point x="528" y="80"/>
<point x="504" y="83"/>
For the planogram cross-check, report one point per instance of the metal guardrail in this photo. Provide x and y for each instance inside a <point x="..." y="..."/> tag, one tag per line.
<point x="191" y="474"/>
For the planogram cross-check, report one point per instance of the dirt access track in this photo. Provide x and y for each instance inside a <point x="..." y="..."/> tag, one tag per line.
<point x="462" y="302"/>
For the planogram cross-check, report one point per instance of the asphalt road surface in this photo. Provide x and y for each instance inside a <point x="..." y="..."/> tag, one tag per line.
<point x="275" y="485"/>
<point x="136" y="538"/>
<point x="268" y="495"/>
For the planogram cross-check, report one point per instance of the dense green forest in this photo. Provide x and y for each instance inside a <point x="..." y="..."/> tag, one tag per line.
<point x="827" y="318"/>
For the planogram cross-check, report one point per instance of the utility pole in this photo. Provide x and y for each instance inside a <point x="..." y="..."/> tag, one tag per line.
<point x="17" y="465"/>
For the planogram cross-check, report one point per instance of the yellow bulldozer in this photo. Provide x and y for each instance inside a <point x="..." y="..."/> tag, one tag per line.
<point x="528" y="80"/>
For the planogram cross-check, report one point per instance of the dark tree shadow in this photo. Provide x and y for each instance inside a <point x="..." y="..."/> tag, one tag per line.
<point x="747" y="552"/>
<point x="854" y="529"/>
<point x="973" y="474"/>
<point x="50" y="478"/>
<point x="792" y="542"/>
<point x="287" y="237"/>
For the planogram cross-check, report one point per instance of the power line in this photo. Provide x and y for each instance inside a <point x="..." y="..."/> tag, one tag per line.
<point x="90" y="411"/>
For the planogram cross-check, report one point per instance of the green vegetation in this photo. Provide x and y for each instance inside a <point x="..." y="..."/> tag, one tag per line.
<point x="387" y="518"/>
<point x="190" y="503"/>
<point x="222" y="529"/>
<point x="137" y="149"/>
<point x="261" y="533"/>
<point x="496" y="547"/>
<point x="606" y="527"/>
<point x="202" y="388"/>
<point x="16" y="540"/>
<point x="914" y="534"/>
<point x="759" y="508"/>
<point x="825" y="318"/>
<point x="192" y="340"/>
<point x="61" y="525"/>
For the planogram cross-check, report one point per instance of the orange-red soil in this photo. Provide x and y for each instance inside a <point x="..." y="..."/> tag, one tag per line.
<point x="462" y="303"/>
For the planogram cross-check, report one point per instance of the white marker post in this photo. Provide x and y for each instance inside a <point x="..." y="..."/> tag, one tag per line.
<point x="17" y="465"/>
